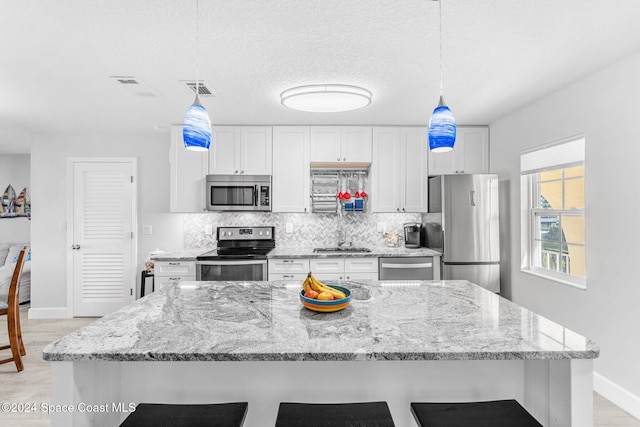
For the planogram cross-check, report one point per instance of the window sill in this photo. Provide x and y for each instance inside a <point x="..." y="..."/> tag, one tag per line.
<point x="554" y="279"/>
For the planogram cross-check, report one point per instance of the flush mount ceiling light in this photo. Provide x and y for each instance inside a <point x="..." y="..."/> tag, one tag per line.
<point x="196" y="130"/>
<point x="329" y="98"/>
<point x="442" y="125"/>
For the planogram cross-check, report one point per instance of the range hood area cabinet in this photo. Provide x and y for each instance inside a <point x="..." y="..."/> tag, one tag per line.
<point x="291" y="180"/>
<point x="340" y="144"/>
<point x="241" y="150"/>
<point x="470" y="154"/>
<point x="399" y="170"/>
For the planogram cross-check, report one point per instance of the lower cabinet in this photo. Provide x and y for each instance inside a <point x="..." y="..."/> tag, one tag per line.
<point x="328" y="269"/>
<point x="173" y="272"/>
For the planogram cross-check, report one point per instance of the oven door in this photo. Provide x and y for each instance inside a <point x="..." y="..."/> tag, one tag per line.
<point x="243" y="270"/>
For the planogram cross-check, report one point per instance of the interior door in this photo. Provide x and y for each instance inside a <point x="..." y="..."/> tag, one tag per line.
<point x="103" y="245"/>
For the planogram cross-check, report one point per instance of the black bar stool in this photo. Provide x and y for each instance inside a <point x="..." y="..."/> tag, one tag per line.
<point x="143" y="282"/>
<point x="499" y="413"/>
<point x="174" y="415"/>
<point x="370" y="414"/>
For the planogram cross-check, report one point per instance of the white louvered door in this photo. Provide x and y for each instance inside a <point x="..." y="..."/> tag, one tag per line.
<point x="103" y="241"/>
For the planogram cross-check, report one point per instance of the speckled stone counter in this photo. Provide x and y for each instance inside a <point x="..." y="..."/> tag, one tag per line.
<point x="448" y="320"/>
<point x="399" y="342"/>
<point x="376" y="252"/>
<point x="185" y="255"/>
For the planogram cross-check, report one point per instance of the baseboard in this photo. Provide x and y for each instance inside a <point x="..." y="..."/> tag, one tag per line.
<point x="49" y="313"/>
<point x="616" y="394"/>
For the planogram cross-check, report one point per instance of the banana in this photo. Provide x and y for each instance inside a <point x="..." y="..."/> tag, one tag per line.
<point x="306" y="285"/>
<point x="325" y="288"/>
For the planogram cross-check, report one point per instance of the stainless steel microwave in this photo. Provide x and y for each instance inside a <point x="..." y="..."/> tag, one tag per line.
<point x="238" y="193"/>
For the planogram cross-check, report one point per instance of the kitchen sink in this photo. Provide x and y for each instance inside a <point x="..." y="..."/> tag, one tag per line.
<point x="342" y="249"/>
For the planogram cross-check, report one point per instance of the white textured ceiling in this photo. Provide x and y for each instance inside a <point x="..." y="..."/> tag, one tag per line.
<point x="498" y="55"/>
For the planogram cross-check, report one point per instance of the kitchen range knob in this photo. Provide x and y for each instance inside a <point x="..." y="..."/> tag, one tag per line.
<point x="230" y="233"/>
<point x="268" y="232"/>
<point x="75" y="247"/>
<point x="224" y="233"/>
<point x="260" y="233"/>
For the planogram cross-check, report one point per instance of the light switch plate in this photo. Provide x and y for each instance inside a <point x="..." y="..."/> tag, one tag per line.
<point x="208" y="229"/>
<point x="381" y="227"/>
<point x="147" y="229"/>
<point x="289" y="227"/>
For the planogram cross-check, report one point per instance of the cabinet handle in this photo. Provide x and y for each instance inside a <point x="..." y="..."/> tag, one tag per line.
<point x="340" y="277"/>
<point x="403" y="210"/>
<point x="338" y="158"/>
<point x="287" y="276"/>
<point x="305" y="209"/>
<point x="287" y="260"/>
<point x="236" y="171"/>
<point x="174" y="279"/>
<point x="174" y="263"/>
<point x="398" y="209"/>
<point x="242" y="171"/>
<point x="348" y="277"/>
<point x="344" y="159"/>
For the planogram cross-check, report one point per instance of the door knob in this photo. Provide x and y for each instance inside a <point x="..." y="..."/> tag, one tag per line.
<point x="75" y="247"/>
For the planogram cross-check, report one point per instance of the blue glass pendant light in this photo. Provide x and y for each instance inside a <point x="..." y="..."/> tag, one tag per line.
<point x="196" y="128"/>
<point x="442" y="125"/>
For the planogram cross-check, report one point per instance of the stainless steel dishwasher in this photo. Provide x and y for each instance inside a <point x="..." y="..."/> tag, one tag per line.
<point x="406" y="268"/>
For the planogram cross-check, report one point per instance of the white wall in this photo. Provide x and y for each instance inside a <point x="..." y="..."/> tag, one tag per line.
<point x="49" y="187"/>
<point x="15" y="169"/>
<point x="605" y="107"/>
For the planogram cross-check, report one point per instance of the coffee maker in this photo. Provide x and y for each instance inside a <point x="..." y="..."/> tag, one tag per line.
<point x="412" y="231"/>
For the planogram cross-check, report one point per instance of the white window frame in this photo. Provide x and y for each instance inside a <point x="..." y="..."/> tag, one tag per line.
<point x="548" y="157"/>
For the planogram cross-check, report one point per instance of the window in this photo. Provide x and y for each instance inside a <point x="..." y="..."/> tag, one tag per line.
<point x="553" y="202"/>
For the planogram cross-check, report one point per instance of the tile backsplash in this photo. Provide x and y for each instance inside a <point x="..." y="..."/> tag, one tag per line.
<point x="309" y="230"/>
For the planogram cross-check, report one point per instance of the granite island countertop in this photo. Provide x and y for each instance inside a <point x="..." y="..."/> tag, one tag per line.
<point x="264" y="321"/>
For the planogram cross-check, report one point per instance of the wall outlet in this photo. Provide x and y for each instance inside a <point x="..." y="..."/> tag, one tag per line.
<point x="147" y="229"/>
<point x="208" y="229"/>
<point x="289" y="227"/>
<point x="381" y="227"/>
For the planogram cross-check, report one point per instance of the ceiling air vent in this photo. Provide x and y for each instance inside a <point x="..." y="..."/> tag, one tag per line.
<point x="203" y="89"/>
<point x="133" y="85"/>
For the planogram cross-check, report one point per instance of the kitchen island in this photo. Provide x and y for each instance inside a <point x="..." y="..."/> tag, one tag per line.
<point x="399" y="342"/>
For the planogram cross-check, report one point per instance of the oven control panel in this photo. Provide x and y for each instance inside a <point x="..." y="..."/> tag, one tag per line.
<point x="246" y="233"/>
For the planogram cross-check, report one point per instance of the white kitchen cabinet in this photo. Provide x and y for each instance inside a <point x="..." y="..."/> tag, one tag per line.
<point x="290" y="187"/>
<point x="340" y="144"/>
<point x="288" y="269"/>
<point x="187" y="173"/>
<point x="344" y="268"/>
<point x="470" y="153"/>
<point x="173" y="272"/>
<point x="399" y="170"/>
<point x="242" y="150"/>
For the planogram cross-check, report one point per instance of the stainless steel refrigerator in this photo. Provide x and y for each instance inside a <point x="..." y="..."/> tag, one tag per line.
<point x="463" y="224"/>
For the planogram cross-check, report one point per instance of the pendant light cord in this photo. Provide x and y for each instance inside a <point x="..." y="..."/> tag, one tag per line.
<point x="440" y="31"/>
<point x="197" y="44"/>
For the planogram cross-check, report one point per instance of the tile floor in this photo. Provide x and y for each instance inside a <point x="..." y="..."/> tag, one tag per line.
<point x="33" y="385"/>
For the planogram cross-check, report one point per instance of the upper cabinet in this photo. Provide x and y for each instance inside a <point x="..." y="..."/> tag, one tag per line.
<point x="187" y="173"/>
<point x="470" y="153"/>
<point x="290" y="169"/>
<point x="399" y="170"/>
<point x="340" y="144"/>
<point x="241" y="150"/>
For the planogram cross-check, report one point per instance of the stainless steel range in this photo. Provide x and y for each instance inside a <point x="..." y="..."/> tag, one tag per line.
<point x="241" y="254"/>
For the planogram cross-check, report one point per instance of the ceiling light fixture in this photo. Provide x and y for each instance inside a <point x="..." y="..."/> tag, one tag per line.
<point x="442" y="125"/>
<point x="326" y="98"/>
<point x="196" y="130"/>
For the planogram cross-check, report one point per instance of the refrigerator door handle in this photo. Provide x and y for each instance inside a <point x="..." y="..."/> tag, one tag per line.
<point x="472" y="197"/>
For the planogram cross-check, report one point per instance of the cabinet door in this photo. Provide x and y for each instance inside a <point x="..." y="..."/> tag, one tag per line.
<point x="325" y="144"/>
<point x="361" y="265"/>
<point x="255" y="150"/>
<point x="356" y="144"/>
<point x="474" y="158"/>
<point x="288" y="265"/>
<point x="413" y="180"/>
<point x="290" y="169"/>
<point x="172" y="268"/>
<point x="224" y="153"/>
<point x="385" y="170"/>
<point x="187" y="173"/>
<point x="444" y="163"/>
<point x="326" y="265"/>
